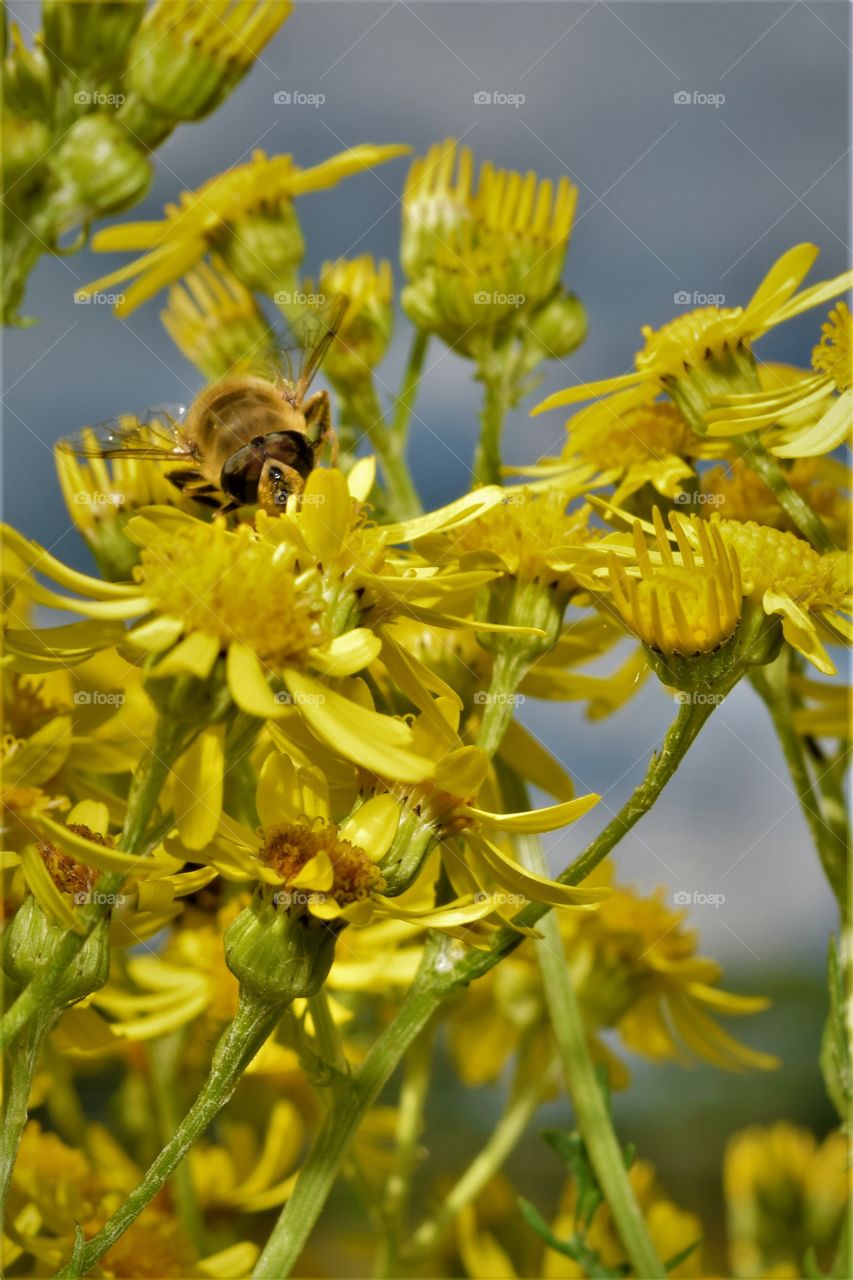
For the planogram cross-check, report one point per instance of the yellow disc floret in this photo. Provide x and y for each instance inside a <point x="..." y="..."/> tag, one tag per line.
<point x="319" y="861"/>
<point x="833" y="355"/>
<point x="233" y="587"/>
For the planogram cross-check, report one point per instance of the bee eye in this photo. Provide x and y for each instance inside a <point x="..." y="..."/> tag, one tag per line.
<point x="275" y="474"/>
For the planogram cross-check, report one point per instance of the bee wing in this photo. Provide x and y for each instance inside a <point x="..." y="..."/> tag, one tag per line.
<point x="157" y="436"/>
<point x="317" y="339"/>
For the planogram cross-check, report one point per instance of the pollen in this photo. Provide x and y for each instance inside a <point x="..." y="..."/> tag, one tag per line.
<point x="69" y="875"/>
<point x="685" y="608"/>
<point x="689" y="340"/>
<point x="289" y="848"/>
<point x="234" y="587"/>
<point x="522" y="531"/>
<point x="772" y="560"/>
<point x="833" y="355"/>
<point x="608" y="439"/>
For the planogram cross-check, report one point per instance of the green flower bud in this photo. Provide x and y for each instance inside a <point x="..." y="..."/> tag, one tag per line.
<point x="25" y="143"/>
<point x="93" y="36"/>
<point x="556" y="328"/>
<point x="101" y="167"/>
<point x="265" y="249"/>
<point x="30" y="942"/>
<point x="276" y="955"/>
<point x="365" y="330"/>
<point x="28" y="88"/>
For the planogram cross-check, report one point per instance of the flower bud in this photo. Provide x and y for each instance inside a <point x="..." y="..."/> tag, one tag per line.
<point x="276" y="955"/>
<point x="25" y="143"/>
<point x="264" y="250"/>
<point x="28" y="88"/>
<point x="556" y="328"/>
<point x="30" y="942"/>
<point x="215" y="321"/>
<point x="365" y="330"/>
<point x="93" y="36"/>
<point x="102" y="167"/>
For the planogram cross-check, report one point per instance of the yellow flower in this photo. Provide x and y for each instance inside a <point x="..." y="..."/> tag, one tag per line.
<point x="828" y="416"/>
<point x="55" y="1188"/>
<point x="685" y="608"/>
<point x="187" y="56"/>
<point x="636" y="971"/>
<point x="215" y="321"/>
<point x="735" y="492"/>
<point x="479" y="258"/>
<point x="245" y="214"/>
<point x="707" y="352"/>
<point x="785" y="1194"/>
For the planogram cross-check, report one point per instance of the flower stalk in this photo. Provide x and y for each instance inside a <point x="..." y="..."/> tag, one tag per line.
<point x="792" y="503"/>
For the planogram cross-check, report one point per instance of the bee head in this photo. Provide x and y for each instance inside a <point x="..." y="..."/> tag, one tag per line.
<point x="277" y="482"/>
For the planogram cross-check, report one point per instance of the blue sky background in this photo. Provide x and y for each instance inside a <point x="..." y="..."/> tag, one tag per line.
<point x="672" y="197"/>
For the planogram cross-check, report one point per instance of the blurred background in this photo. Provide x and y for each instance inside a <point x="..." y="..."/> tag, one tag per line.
<point x="677" y="197"/>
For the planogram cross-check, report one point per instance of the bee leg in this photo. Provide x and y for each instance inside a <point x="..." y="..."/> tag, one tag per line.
<point x="318" y="417"/>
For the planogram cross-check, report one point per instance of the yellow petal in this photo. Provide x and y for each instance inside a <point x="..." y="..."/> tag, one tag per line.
<point x="91" y="814"/>
<point x="324" y="512"/>
<point x="318" y="874"/>
<point x="199" y="779"/>
<point x="534" y="762"/>
<point x="193" y="656"/>
<point x="91" y="854"/>
<point x="376" y="742"/>
<point x="287" y="794"/>
<point x="373" y="826"/>
<point x="248" y="684"/>
<point x="548" y="819"/>
<point x="361" y="478"/>
<point x="347" y="654"/>
<point x="832" y="429"/>
<point x="534" y="887"/>
<point x="45" y="891"/>
<point x="799" y="630"/>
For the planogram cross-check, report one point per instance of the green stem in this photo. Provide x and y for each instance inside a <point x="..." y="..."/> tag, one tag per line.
<point x="254" y="1021"/>
<point x="442" y="972"/>
<point x="19" y="1083"/>
<point x="413" y="1096"/>
<point x="529" y="1088"/>
<point x="495" y="372"/>
<point x="329" y="1044"/>
<point x="794" y="504"/>
<point x="408" y="390"/>
<point x="330" y="1147"/>
<point x="401" y="497"/>
<point x="510" y="665"/>
<point x="144" y="793"/>
<point x="773" y="687"/>
<point x="165" y="1055"/>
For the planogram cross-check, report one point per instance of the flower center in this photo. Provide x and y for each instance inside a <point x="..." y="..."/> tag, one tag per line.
<point x="771" y="559"/>
<point x="834" y="353"/>
<point x="524" y="530"/>
<point x="69" y="875"/>
<point x="288" y="848"/>
<point x="234" y="587"/>
<point x="637" y="435"/>
<point x="689" y="340"/>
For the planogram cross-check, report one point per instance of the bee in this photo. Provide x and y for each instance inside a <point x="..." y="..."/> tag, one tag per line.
<point x="244" y="441"/>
